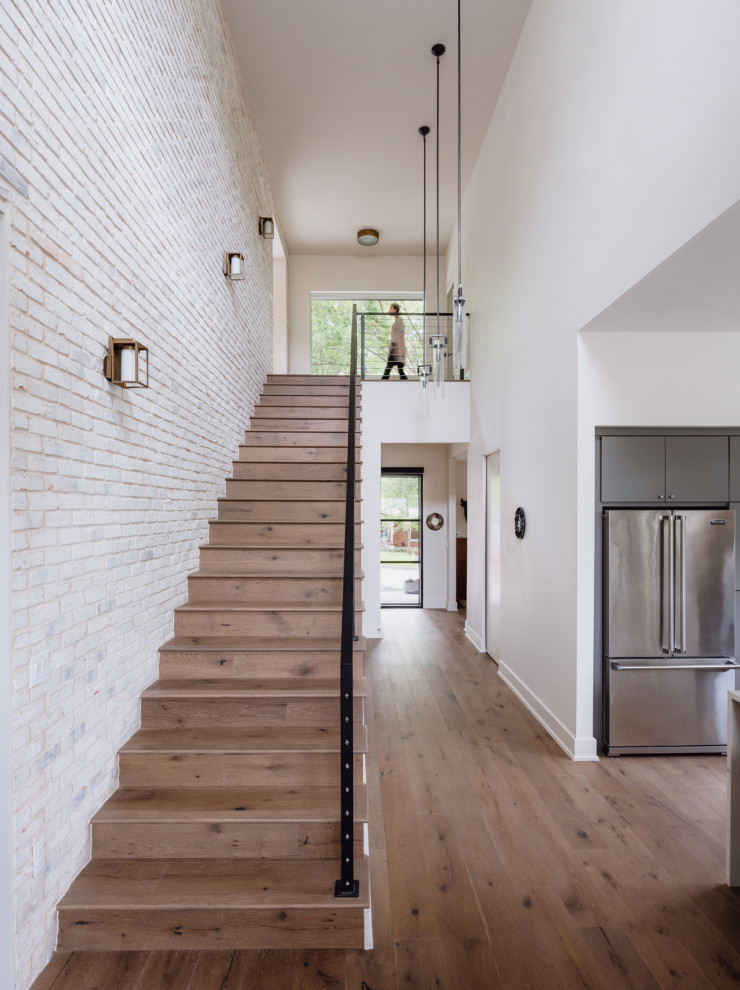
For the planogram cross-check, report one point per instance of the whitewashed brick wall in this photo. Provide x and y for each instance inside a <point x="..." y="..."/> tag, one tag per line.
<point x="128" y="163"/>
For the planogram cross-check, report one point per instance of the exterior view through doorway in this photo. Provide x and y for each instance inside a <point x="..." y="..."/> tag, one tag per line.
<point x="401" y="537"/>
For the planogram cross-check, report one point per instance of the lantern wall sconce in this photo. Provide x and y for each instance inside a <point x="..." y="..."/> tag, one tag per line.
<point x="234" y="265"/>
<point x="126" y="363"/>
<point x="267" y="228"/>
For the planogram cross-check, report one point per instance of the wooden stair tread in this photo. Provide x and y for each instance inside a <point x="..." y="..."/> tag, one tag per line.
<point x="263" y="739"/>
<point x="264" y="607"/>
<point x="229" y="804"/>
<point x="235" y="687"/>
<point x="275" y="546"/>
<point x="284" y="498"/>
<point x="261" y="643"/>
<point x="270" y="575"/>
<point x="229" y="883"/>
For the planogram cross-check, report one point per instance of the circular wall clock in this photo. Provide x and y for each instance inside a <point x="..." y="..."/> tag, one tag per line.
<point x="435" y="521"/>
<point x="520" y="523"/>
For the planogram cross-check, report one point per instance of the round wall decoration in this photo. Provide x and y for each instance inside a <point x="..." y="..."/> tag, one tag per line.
<point x="520" y="523"/>
<point x="435" y="521"/>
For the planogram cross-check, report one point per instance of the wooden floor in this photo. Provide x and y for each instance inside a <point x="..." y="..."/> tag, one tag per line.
<point x="502" y="864"/>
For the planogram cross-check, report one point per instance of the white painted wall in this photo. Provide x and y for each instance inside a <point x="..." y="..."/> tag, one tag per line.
<point x="614" y="141"/>
<point x="128" y="164"/>
<point x="7" y="836"/>
<point x="357" y="276"/>
<point x="392" y="420"/>
<point x="279" y="306"/>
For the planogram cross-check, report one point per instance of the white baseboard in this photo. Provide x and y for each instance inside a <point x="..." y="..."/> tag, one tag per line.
<point x="579" y="750"/>
<point x="452" y="606"/>
<point x="474" y="637"/>
<point x="435" y="603"/>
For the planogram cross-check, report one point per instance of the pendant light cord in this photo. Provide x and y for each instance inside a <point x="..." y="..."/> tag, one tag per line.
<point x="437" y="193"/>
<point x="459" y="154"/>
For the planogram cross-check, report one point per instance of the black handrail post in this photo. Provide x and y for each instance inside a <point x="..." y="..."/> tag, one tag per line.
<point x="348" y="885"/>
<point x="362" y="346"/>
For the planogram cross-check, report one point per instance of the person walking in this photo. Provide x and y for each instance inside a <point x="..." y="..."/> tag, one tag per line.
<point x="397" y="349"/>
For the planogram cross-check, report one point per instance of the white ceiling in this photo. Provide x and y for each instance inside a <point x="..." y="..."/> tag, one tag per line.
<point x="339" y="89"/>
<point x="696" y="288"/>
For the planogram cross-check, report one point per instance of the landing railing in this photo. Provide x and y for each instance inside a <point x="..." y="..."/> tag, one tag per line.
<point x="348" y="885"/>
<point x="436" y="345"/>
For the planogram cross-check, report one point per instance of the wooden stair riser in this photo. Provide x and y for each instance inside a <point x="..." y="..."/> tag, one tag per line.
<point x="312" y="401"/>
<point x="223" y="840"/>
<point x="202" y="589"/>
<point x="185" y="769"/>
<point x="279" y="534"/>
<point x="212" y="713"/>
<point x="263" y="622"/>
<point x="295" y="388"/>
<point x="229" y="664"/>
<point x="287" y="454"/>
<point x="293" y="412"/>
<point x="314" y="427"/>
<point x="313" y="381"/>
<point x="141" y="929"/>
<point x="293" y="488"/>
<point x="282" y="560"/>
<point x="296" y="438"/>
<point x="291" y="471"/>
<point x="282" y="510"/>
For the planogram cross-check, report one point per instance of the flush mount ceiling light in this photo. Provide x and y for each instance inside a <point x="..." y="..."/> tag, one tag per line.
<point x="368" y="236"/>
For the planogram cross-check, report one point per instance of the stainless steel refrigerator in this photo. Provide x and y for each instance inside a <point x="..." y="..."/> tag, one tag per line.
<point x="669" y="631"/>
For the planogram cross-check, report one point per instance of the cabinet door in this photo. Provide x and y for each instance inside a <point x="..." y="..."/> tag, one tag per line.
<point x="735" y="469"/>
<point x="736" y="507"/>
<point x="633" y="469"/>
<point x="697" y="469"/>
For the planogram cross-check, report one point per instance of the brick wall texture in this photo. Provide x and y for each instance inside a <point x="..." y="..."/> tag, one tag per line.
<point x="128" y="163"/>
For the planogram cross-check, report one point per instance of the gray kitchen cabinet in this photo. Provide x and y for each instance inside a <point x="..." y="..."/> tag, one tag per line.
<point x="633" y="469"/>
<point x="736" y="507"/>
<point x="735" y="469"/>
<point x="737" y="636"/>
<point x="660" y="470"/>
<point x="697" y="469"/>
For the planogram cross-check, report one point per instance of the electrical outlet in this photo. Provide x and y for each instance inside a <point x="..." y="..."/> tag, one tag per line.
<point x="39" y="670"/>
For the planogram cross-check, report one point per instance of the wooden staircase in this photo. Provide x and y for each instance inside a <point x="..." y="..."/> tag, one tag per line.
<point x="224" y="831"/>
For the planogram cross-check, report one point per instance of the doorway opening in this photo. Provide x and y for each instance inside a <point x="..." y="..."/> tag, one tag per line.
<point x="401" y="538"/>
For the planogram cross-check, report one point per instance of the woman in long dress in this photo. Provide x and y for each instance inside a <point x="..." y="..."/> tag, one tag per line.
<point x="397" y="349"/>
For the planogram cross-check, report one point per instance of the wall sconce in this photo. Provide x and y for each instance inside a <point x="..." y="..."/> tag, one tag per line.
<point x="267" y="228"/>
<point x="233" y="265"/>
<point x="126" y="363"/>
<point x="368" y="236"/>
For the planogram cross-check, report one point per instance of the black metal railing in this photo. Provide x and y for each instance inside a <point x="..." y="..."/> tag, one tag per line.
<point x="348" y="885"/>
<point x="429" y="337"/>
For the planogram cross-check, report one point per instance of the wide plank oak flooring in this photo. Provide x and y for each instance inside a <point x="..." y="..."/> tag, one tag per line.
<point x="496" y="862"/>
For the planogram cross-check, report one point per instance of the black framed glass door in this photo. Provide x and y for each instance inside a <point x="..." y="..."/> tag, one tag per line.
<point x="401" y="538"/>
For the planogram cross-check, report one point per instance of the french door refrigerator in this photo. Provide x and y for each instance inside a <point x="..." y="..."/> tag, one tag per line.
<point x="669" y="630"/>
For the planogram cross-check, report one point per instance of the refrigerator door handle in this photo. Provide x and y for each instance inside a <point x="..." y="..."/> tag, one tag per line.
<point x="730" y="665"/>
<point x="680" y="593"/>
<point x="667" y="587"/>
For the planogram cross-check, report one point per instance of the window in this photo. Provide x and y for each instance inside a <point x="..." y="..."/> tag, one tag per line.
<point x="331" y="329"/>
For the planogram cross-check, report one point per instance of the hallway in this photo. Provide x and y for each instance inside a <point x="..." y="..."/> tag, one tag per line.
<point x="508" y="865"/>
